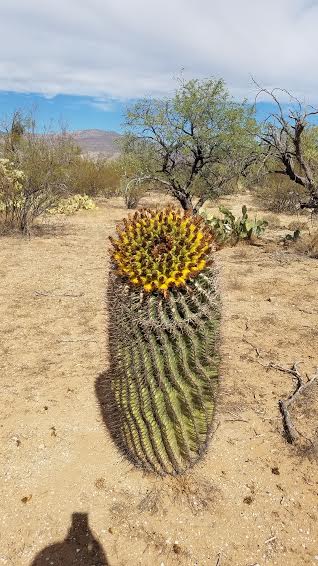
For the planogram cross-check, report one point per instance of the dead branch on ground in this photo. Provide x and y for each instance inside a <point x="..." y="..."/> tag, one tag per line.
<point x="291" y="433"/>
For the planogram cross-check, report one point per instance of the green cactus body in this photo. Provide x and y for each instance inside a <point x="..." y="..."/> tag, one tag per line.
<point x="164" y="368"/>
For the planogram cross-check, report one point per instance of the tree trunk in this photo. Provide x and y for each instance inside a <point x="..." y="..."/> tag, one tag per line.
<point x="184" y="199"/>
<point x="199" y="204"/>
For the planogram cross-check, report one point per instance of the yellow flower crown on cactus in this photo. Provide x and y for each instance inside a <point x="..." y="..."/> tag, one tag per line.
<point x="158" y="250"/>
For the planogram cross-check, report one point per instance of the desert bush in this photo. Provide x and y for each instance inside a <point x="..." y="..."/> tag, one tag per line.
<point x="132" y="191"/>
<point x="94" y="177"/>
<point x="291" y="238"/>
<point x="279" y="194"/>
<point x="108" y="177"/>
<point x="308" y="244"/>
<point x="46" y="165"/>
<point x="230" y="230"/>
<point x="73" y="204"/>
<point x="133" y="185"/>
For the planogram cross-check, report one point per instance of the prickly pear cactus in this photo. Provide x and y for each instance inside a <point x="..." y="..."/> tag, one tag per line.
<point x="163" y="329"/>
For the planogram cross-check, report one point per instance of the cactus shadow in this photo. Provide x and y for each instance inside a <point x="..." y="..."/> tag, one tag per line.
<point x="106" y="401"/>
<point x="79" y="548"/>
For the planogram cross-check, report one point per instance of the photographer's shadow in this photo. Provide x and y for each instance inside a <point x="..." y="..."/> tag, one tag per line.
<point x="79" y="548"/>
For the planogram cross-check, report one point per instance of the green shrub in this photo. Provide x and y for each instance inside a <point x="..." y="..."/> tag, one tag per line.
<point x="94" y="177"/>
<point x="292" y="237"/>
<point x="230" y="230"/>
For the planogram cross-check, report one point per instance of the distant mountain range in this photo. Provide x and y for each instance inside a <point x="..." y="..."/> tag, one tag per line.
<point x="97" y="141"/>
<point x="93" y="142"/>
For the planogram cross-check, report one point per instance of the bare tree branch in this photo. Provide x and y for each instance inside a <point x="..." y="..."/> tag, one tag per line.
<point x="284" y="135"/>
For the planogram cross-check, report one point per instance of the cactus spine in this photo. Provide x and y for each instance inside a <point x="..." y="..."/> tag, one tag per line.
<point x="162" y="339"/>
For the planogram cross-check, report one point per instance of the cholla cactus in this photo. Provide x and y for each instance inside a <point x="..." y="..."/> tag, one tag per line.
<point x="162" y="339"/>
<point x="73" y="204"/>
<point x="11" y="186"/>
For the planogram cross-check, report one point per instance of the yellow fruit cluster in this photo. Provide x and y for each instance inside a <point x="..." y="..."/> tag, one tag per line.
<point x="158" y="250"/>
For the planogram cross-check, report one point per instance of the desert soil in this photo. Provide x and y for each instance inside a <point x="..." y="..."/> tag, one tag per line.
<point x="251" y="501"/>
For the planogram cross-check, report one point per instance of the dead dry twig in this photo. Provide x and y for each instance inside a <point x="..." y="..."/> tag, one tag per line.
<point x="257" y="350"/>
<point x="291" y="433"/>
<point x="51" y="294"/>
<point x="77" y="340"/>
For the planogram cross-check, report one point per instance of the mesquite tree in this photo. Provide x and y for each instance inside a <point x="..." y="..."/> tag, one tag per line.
<point x="194" y="143"/>
<point x="291" y="142"/>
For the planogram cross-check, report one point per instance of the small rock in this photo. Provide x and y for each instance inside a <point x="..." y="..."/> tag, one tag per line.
<point x="27" y="498"/>
<point x="275" y="471"/>
<point x="248" y="500"/>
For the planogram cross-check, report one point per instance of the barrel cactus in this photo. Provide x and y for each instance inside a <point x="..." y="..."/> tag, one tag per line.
<point x="163" y="329"/>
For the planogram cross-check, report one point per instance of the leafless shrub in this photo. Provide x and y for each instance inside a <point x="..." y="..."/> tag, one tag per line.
<point x="290" y="143"/>
<point x="308" y="244"/>
<point x="279" y="194"/>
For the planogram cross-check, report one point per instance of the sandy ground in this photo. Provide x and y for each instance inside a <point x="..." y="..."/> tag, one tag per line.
<point x="251" y="501"/>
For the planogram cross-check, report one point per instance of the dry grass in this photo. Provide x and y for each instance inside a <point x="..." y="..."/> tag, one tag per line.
<point x="273" y="220"/>
<point x="308" y="245"/>
<point x="298" y="225"/>
<point x="235" y="283"/>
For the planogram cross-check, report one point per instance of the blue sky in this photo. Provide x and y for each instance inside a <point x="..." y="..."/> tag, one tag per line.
<point x="73" y="112"/>
<point x="87" y="60"/>
<point x="76" y="112"/>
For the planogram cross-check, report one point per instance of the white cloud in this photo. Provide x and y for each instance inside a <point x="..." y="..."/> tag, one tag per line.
<point x="125" y="48"/>
<point x="102" y="105"/>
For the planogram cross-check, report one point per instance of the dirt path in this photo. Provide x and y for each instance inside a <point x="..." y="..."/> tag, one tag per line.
<point x="253" y="500"/>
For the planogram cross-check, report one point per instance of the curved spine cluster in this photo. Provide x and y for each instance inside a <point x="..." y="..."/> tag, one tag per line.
<point x="161" y="249"/>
